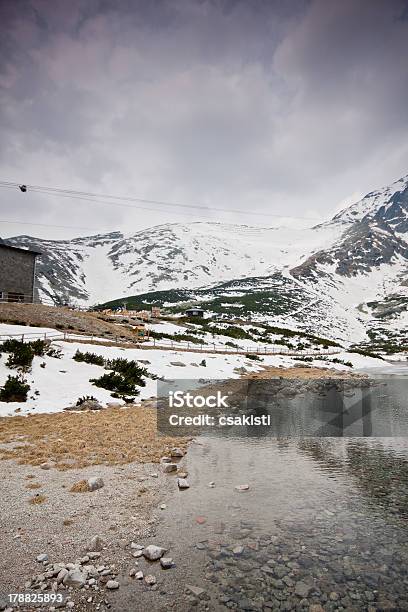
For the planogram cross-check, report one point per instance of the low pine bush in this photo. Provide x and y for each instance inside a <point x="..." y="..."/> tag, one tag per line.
<point x="89" y="358"/>
<point x="129" y="369"/>
<point x="21" y="357"/>
<point x="118" y="384"/>
<point x="21" y="354"/>
<point x="15" y="389"/>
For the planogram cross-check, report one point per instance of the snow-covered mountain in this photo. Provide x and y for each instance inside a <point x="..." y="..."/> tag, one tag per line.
<point x="349" y="274"/>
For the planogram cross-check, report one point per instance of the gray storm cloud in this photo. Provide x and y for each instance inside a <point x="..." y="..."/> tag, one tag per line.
<point x="284" y="108"/>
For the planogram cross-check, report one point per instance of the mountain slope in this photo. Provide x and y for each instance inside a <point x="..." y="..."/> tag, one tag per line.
<point x="98" y="268"/>
<point x="346" y="278"/>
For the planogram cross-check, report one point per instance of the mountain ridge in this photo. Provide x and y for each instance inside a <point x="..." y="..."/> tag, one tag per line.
<point x="358" y="257"/>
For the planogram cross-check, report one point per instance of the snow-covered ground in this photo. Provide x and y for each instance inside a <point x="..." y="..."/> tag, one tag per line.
<point x="62" y="381"/>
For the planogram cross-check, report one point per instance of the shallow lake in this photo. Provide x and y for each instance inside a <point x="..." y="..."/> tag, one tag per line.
<point x="323" y="525"/>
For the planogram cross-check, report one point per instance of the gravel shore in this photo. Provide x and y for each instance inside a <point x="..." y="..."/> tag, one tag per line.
<point x="125" y="509"/>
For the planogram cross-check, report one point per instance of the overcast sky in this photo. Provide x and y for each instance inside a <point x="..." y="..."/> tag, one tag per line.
<point x="276" y="107"/>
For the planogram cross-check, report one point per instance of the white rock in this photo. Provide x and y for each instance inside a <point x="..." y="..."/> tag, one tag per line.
<point x="150" y="580"/>
<point x="139" y="575"/>
<point x="95" y="482"/>
<point x="243" y="487"/>
<point x="183" y="483"/>
<point x="135" y="546"/>
<point x="177" y="452"/>
<point x="112" y="585"/>
<point x="153" y="552"/>
<point x="211" y="485"/>
<point x="42" y="558"/>
<point x="166" y="562"/>
<point x="163" y="506"/>
<point x="75" y="578"/>
<point x="96" y="544"/>
<point x="137" y="553"/>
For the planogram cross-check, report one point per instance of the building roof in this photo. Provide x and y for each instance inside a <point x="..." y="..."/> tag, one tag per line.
<point x="4" y="245"/>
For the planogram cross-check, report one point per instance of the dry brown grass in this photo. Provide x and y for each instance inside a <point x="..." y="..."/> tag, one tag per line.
<point x="113" y="436"/>
<point x="297" y="372"/>
<point x="61" y="318"/>
<point x="80" y="487"/>
<point x="37" y="499"/>
<point x="33" y="485"/>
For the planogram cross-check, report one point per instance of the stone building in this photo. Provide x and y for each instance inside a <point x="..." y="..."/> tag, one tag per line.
<point x="17" y="274"/>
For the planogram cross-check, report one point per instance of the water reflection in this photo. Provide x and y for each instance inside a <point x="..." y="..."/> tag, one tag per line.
<point x="323" y="524"/>
<point x="380" y="473"/>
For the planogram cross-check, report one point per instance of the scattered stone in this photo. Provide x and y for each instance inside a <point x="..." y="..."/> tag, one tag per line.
<point x="195" y="590"/>
<point x="166" y="562"/>
<point x="135" y="546"/>
<point x="137" y="553"/>
<point x="180" y="364"/>
<point x="153" y="552"/>
<point x="95" y="482"/>
<point x="169" y="467"/>
<point x="132" y="572"/>
<point x="42" y="558"/>
<point x="201" y="520"/>
<point x="183" y="483"/>
<point x="163" y="506"/>
<point x="150" y="580"/>
<point x="94" y="555"/>
<point x="112" y="585"/>
<point x="139" y="575"/>
<point x="74" y="578"/>
<point x="154" y="475"/>
<point x="238" y="550"/>
<point x="165" y="460"/>
<point x="61" y="575"/>
<point x="302" y="589"/>
<point x="177" y="452"/>
<point x="45" y="466"/>
<point x="243" y="487"/>
<point x="96" y="543"/>
<point x="211" y="484"/>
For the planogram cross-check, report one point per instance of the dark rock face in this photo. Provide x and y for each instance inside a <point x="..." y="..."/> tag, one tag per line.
<point x="396" y="214"/>
<point x="366" y="245"/>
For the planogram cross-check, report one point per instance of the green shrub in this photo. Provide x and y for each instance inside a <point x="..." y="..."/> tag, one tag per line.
<point x="117" y="383"/>
<point x="129" y="369"/>
<point x="85" y="398"/>
<point x="253" y="357"/>
<point x="89" y="358"/>
<point x="21" y="357"/>
<point x="22" y="353"/>
<point x="342" y="362"/>
<point x="15" y="389"/>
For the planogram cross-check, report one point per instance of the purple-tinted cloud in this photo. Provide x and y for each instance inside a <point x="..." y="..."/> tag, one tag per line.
<point x="259" y="105"/>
